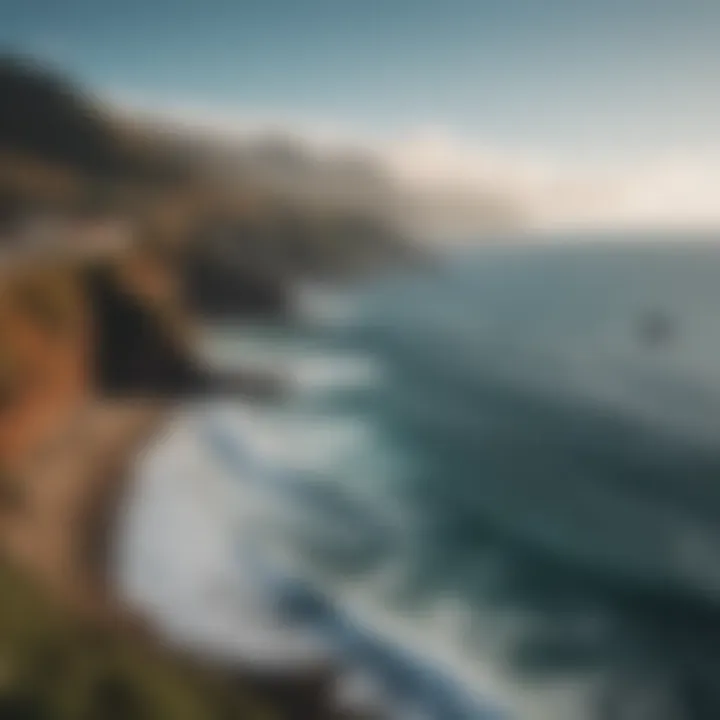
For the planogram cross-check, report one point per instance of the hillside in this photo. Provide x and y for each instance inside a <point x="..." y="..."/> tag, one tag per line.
<point x="94" y="351"/>
<point x="253" y="219"/>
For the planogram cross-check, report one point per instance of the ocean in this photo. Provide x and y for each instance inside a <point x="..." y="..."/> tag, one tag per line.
<point x="492" y="490"/>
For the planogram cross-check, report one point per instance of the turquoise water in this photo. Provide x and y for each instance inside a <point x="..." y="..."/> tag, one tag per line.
<point x="493" y="484"/>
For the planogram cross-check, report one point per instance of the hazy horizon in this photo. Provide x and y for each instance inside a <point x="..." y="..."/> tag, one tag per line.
<point x="580" y="114"/>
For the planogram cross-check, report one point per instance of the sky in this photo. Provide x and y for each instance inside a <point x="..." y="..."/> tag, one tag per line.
<point x="564" y="102"/>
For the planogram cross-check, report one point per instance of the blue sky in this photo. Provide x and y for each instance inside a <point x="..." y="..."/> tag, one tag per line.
<point x="570" y="79"/>
<point x="549" y="72"/>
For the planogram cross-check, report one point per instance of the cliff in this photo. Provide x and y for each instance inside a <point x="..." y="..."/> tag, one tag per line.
<point x="112" y="248"/>
<point x="91" y="368"/>
<point x="252" y="221"/>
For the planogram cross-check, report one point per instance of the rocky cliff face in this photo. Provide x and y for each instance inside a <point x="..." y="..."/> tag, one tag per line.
<point x="92" y="348"/>
<point x="88" y="362"/>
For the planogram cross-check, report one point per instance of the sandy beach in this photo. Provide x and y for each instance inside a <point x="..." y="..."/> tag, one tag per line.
<point x="70" y="486"/>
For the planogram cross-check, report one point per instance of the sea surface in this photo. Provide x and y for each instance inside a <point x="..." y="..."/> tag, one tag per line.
<point x="492" y="490"/>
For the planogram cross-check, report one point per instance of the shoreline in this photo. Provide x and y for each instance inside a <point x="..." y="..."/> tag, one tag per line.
<point x="64" y="549"/>
<point x="63" y="537"/>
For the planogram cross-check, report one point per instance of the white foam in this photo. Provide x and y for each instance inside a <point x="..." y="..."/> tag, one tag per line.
<point x="177" y="561"/>
<point x="323" y="306"/>
<point x="300" y="443"/>
<point x="321" y="371"/>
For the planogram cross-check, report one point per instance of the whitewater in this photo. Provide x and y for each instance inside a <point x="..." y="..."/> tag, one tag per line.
<point x="484" y="495"/>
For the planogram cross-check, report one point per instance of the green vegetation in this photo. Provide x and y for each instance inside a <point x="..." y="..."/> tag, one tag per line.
<point x="55" y="667"/>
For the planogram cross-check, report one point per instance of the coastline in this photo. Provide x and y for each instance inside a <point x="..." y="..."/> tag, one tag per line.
<point x="111" y="249"/>
<point x="63" y="556"/>
<point x="62" y="535"/>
